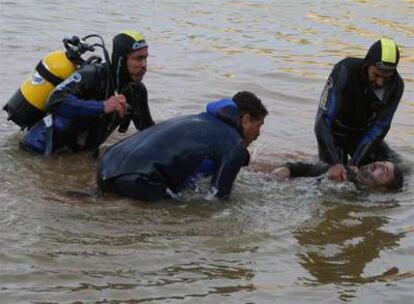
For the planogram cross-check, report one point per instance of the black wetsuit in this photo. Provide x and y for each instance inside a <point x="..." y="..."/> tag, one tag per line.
<point x="161" y="159"/>
<point x="79" y="120"/>
<point x="300" y="169"/>
<point x="351" y="119"/>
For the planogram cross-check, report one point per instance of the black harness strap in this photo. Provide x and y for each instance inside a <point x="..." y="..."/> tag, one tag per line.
<point x="46" y="74"/>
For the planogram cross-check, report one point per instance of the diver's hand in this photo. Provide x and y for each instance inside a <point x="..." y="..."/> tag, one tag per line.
<point x="116" y="103"/>
<point x="337" y="173"/>
<point x="355" y="169"/>
<point x="280" y="173"/>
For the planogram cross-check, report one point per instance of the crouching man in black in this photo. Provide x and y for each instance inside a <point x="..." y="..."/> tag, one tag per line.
<point x="163" y="160"/>
<point x="357" y="107"/>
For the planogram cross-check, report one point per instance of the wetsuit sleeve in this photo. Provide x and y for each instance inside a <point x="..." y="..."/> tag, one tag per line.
<point x="300" y="169"/>
<point x="227" y="169"/>
<point x="331" y="99"/>
<point x="137" y="98"/>
<point x="66" y="100"/>
<point x="377" y="132"/>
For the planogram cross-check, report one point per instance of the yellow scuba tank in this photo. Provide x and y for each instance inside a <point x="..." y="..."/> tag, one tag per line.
<point x="28" y="105"/>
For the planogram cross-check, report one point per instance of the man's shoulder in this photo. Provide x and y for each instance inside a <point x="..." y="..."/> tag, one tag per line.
<point x="93" y="75"/>
<point x="350" y="62"/>
<point x="348" y="68"/>
<point x="399" y="81"/>
<point x="206" y="128"/>
<point x="94" y="69"/>
<point x="217" y="122"/>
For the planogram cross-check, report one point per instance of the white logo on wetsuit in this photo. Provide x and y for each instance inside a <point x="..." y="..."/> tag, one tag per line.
<point x="76" y="77"/>
<point x="325" y="93"/>
<point x="139" y="45"/>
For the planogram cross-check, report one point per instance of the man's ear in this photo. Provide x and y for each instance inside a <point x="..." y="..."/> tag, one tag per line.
<point x="245" y="119"/>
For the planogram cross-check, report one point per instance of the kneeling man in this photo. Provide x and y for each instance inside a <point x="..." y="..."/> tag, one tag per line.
<point x="162" y="160"/>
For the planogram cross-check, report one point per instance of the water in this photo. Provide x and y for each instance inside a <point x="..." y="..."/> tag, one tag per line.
<point x="289" y="242"/>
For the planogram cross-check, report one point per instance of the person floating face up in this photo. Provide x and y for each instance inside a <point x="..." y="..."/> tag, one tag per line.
<point x="380" y="174"/>
<point x="377" y="175"/>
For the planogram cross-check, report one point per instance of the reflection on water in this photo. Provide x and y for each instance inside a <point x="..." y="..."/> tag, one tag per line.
<point x="333" y="243"/>
<point x="338" y="243"/>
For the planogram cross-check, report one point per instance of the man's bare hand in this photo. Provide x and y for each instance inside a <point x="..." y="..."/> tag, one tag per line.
<point x="280" y="173"/>
<point x="337" y="173"/>
<point x="116" y="103"/>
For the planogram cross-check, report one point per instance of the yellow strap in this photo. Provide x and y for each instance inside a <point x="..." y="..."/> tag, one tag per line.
<point x="389" y="51"/>
<point x="137" y="36"/>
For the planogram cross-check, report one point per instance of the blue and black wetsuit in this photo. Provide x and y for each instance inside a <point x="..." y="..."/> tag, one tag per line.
<point x="166" y="157"/>
<point x="79" y="121"/>
<point x="352" y="119"/>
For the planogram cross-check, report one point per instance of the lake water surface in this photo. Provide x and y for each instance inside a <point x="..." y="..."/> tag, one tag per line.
<point x="289" y="242"/>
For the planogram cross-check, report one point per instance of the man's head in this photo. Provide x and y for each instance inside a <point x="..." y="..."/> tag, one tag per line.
<point x="382" y="60"/>
<point x="380" y="174"/>
<point x="252" y="114"/>
<point x="129" y="57"/>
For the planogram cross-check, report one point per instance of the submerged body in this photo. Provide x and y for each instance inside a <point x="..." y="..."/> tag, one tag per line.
<point x="380" y="174"/>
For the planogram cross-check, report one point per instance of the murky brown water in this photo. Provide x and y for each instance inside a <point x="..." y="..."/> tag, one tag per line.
<point x="292" y="242"/>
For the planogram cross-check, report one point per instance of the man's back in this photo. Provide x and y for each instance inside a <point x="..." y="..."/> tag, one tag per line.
<point x="173" y="150"/>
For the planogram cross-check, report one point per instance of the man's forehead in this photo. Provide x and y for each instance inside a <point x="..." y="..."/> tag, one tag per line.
<point x="140" y="52"/>
<point x="382" y="73"/>
<point x="259" y="122"/>
<point x="388" y="165"/>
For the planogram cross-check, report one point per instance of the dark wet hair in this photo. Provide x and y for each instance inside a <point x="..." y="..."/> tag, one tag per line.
<point x="249" y="103"/>
<point x="397" y="182"/>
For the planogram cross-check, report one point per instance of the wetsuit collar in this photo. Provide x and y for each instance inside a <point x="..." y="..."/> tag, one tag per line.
<point x="225" y="110"/>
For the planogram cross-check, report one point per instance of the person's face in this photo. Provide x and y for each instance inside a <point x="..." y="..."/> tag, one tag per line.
<point x="251" y="128"/>
<point x="377" y="77"/>
<point x="137" y="64"/>
<point x="376" y="174"/>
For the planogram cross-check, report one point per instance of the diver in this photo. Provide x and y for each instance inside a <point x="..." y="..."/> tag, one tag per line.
<point x="379" y="175"/>
<point x="356" y="108"/>
<point x="95" y="100"/>
<point x="163" y="160"/>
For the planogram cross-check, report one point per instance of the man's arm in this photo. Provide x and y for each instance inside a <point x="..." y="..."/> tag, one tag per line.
<point x="137" y="99"/>
<point x="377" y="132"/>
<point x="228" y="166"/>
<point x="329" y="104"/>
<point x="66" y="100"/>
<point x="299" y="169"/>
